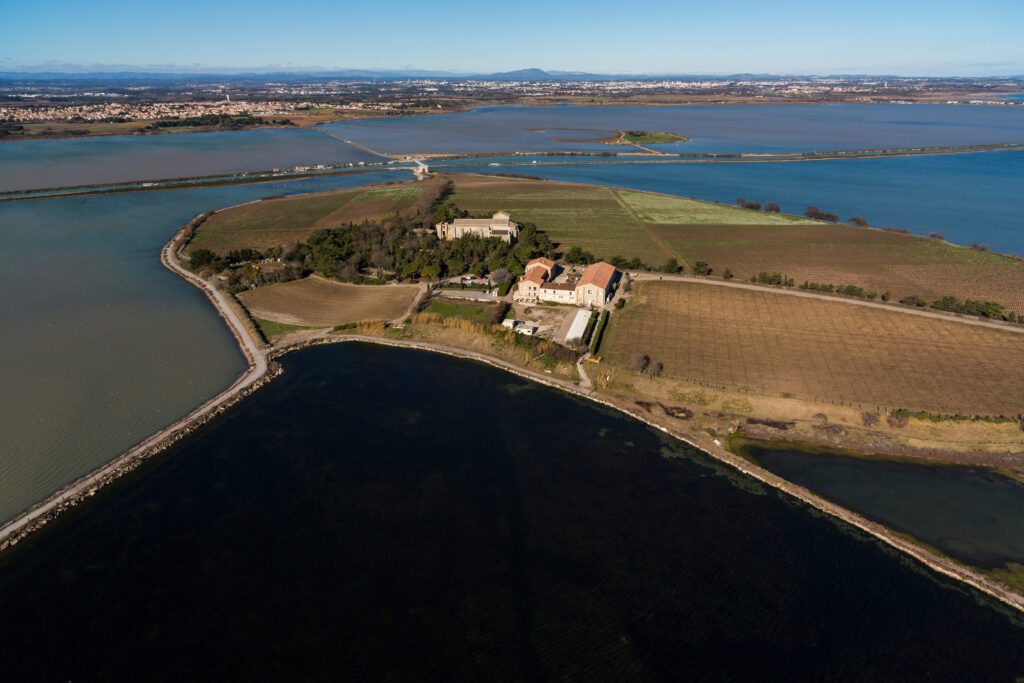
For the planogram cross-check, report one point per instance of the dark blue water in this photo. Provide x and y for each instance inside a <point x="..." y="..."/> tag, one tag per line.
<point x="973" y="515"/>
<point x="103" y="345"/>
<point x="710" y="129"/>
<point x="376" y="513"/>
<point x="32" y="164"/>
<point x="966" y="197"/>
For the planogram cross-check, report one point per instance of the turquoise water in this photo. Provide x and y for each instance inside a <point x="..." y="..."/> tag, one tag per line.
<point x="108" y="159"/>
<point x="966" y="197"/>
<point x="102" y="345"/>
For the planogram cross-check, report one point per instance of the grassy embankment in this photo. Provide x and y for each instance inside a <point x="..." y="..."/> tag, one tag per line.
<point x="465" y="310"/>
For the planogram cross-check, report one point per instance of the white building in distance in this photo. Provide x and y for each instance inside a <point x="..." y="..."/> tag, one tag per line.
<point x="499" y="225"/>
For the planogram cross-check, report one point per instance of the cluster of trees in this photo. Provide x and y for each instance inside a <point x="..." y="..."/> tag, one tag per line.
<point x="950" y="304"/>
<point x="983" y="309"/>
<point x="218" y="121"/>
<point x="577" y="256"/>
<point x="766" y="278"/>
<point x="351" y="252"/>
<point x="819" y="215"/>
<point x="770" y="207"/>
<point x="844" y="290"/>
<point x="7" y="129"/>
<point x="641" y="363"/>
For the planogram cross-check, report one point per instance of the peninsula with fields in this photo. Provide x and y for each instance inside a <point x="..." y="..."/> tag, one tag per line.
<point x="473" y="342"/>
<point x="740" y="329"/>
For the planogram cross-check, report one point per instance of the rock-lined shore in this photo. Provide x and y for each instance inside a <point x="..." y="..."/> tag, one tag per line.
<point x="262" y="369"/>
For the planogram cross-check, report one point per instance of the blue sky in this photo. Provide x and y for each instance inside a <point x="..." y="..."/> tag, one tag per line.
<point x="941" y="37"/>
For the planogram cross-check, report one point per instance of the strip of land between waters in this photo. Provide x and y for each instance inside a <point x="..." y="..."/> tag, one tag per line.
<point x="443" y="159"/>
<point x="262" y="369"/>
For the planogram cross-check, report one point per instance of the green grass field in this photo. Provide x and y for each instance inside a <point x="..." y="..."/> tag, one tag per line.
<point x="277" y="222"/>
<point x="464" y="310"/>
<point x="662" y="209"/>
<point x="271" y="329"/>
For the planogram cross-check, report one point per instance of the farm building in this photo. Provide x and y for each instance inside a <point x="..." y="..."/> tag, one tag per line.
<point x="591" y="291"/>
<point x="595" y="286"/>
<point x="499" y="225"/>
<point x="557" y="292"/>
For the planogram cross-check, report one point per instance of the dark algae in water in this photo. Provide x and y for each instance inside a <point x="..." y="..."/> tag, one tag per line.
<point x="390" y="513"/>
<point x="971" y="514"/>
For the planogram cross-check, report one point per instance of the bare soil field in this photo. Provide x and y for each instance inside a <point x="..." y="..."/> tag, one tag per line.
<point x="276" y="222"/>
<point x="316" y="302"/>
<point x="818" y="350"/>
<point x="876" y="260"/>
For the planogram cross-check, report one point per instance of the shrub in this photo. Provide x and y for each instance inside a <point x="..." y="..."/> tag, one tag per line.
<point x="898" y="419"/>
<point x="499" y="313"/>
<point x="869" y="419"/>
<point x="914" y="300"/>
<point x="701" y="268"/>
<point x="639" y="361"/>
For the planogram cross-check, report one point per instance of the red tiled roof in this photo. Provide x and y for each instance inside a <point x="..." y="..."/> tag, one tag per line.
<point x="600" y="274"/>
<point x="545" y="262"/>
<point x="535" y="275"/>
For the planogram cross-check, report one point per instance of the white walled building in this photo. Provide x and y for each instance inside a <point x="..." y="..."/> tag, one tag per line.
<point x="499" y="225"/>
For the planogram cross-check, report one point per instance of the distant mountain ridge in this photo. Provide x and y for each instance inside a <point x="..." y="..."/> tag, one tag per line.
<point x="532" y="74"/>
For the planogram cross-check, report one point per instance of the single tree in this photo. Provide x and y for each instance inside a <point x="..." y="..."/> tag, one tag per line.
<point x="640" y="361"/>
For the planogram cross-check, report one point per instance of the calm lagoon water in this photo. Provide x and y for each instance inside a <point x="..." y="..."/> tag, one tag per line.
<point x="34" y="164"/>
<point x="973" y="515"/>
<point x="967" y="197"/>
<point x="103" y="345"/>
<point x="788" y="128"/>
<point x="376" y="513"/>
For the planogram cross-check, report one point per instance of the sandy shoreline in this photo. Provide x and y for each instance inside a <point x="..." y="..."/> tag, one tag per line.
<point x="261" y="369"/>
